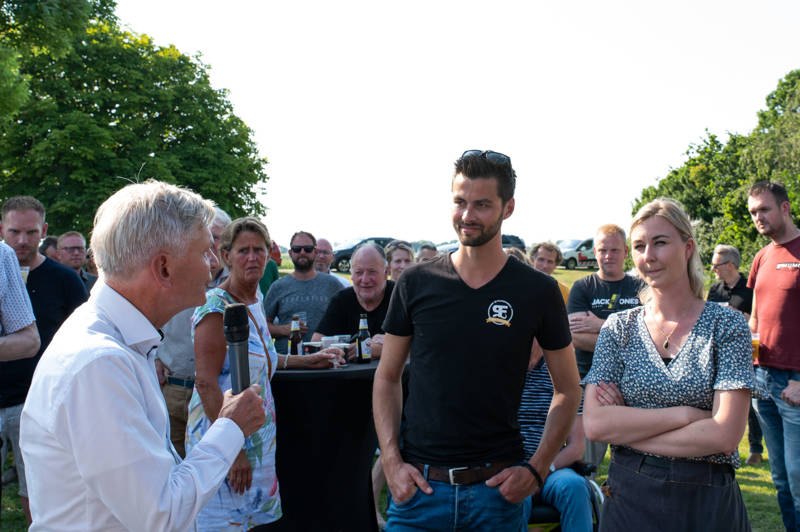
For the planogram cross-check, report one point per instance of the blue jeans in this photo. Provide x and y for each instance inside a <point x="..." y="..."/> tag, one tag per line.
<point x="781" y="425"/>
<point x="472" y="507"/>
<point x="568" y="492"/>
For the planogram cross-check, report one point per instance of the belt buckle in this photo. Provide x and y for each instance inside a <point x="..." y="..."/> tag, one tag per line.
<point x="455" y="470"/>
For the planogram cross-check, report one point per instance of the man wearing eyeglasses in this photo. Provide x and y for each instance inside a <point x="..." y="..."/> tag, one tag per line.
<point x="731" y="286"/>
<point x="468" y="320"/>
<point x="324" y="260"/>
<point x="305" y="290"/>
<point x="731" y="289"/>
<point x="72" y="253"/>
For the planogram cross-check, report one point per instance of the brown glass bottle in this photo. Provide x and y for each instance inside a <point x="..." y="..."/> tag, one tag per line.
<point x="295" y="338"/>
<point x="363" y="341"/>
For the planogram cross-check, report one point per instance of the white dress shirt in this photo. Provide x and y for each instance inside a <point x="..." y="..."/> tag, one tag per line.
<point x="95" y="431"/>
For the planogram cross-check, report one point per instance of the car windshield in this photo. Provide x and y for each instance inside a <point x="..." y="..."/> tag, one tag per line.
<point x="569" y="244"/>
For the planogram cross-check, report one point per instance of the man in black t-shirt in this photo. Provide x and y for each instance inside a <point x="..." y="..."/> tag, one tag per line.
<point x="369" y="295"/>
<point x="594" y="298"/>
<point x="731" y="286"/>
<point x="54" y="290"/>
<point x="468" y="321"/>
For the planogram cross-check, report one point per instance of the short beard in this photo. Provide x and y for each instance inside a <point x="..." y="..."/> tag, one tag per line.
<point x="303" y="268"/>
<point x="483" y="237"/>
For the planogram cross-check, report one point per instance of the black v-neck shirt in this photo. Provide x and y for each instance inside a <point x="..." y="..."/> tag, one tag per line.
<point x="469" y="353"/>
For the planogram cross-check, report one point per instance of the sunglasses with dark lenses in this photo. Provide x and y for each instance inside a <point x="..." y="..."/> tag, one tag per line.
<point x="395" y="243"/>
<point x="307" y="249"/>
<point x="491" y="156"/>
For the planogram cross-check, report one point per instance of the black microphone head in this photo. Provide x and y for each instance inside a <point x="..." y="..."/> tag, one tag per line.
<point x="236" y="326"/>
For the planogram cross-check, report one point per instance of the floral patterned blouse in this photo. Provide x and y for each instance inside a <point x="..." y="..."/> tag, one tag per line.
<point x="261" y="503"/>
<point x="717" y="355"/>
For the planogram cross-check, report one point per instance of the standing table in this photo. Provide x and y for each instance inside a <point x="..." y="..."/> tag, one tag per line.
<point x="326" y="442"/>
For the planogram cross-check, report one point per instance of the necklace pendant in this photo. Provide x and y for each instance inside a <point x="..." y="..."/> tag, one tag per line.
<point x="666" y="345"/>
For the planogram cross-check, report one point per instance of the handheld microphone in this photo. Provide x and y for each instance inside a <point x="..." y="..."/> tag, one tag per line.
<point x="237" y="331"/>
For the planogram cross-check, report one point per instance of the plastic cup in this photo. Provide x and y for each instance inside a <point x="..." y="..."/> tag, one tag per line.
<point x="328" y="341"/>
<point x="344" y="348"/>
<point x="755" y="338"/>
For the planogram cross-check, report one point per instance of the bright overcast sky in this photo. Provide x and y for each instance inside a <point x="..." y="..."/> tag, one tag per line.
<point x="362" y="107"/>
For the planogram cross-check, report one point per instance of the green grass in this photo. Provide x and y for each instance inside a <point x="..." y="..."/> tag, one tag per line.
<point x="570" y="276"/>
<point x="11" y="514"/>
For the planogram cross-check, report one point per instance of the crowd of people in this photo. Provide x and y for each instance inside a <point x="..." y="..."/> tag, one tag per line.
<point x="494" y="379"/>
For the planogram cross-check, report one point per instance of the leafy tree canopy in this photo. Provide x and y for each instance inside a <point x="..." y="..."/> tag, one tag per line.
<point x="44" y="27"/>
<point x="712" y="184"/>
<point x="113" y="109"/>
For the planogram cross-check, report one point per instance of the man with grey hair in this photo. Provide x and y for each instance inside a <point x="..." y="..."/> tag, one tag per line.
<point x="731" y="289"/>
<point x="175" y="356"/>
<point x="95" y="431"/>
<point x="370" y="295"/>
<point x="72" y="253"/>
<point x="731" y="286"/>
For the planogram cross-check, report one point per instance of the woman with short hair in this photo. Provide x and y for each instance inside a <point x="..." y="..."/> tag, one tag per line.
<point x="249" y="495"/>
<point x="399" y="256"/>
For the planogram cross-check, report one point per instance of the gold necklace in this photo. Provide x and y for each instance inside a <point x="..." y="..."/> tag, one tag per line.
<point x="666" y="336"/>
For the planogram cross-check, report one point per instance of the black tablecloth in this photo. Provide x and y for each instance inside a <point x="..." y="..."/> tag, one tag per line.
<point x="326" y="442"/>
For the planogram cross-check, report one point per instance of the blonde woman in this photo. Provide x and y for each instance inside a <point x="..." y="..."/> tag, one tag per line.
<point x="669" y="388"/>
<point x="399" y="256"/>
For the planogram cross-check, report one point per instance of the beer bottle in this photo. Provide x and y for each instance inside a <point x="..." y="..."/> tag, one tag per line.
<point x="295" y="338"/>
<point x="363" y="341"/>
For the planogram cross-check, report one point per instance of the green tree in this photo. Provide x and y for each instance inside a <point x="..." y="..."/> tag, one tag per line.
<point x="712" y="184"/>
<point x="44" y="27"/>
<point x="115" y="109"/>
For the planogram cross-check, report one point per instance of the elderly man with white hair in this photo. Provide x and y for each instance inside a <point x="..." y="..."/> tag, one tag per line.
<point x="95" y="430"/>
<point x="370" y="295"/>
<point x="175" y="365"/>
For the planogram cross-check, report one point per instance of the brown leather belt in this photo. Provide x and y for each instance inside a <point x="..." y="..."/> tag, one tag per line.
<point x="461" y="476"/>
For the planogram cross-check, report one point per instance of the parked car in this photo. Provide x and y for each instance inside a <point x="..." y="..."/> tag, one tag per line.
<point x="509" y="241"/>
<point x="578" y="253"/>
<point x="513" y="241"/>
<point x="342" y="254"/>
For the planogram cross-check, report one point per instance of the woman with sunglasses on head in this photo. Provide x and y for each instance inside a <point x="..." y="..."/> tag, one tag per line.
<point x="249" y="496"/>
<point x="669" y="388"/>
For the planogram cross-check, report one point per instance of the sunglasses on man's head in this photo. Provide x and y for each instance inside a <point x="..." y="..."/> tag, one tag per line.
<point x="307" y="249"/>
<point x="491" y="156"/>
<point x="395" y="243"/>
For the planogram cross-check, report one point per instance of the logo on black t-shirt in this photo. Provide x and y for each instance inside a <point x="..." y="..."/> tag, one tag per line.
<point x="500" y="313"/>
